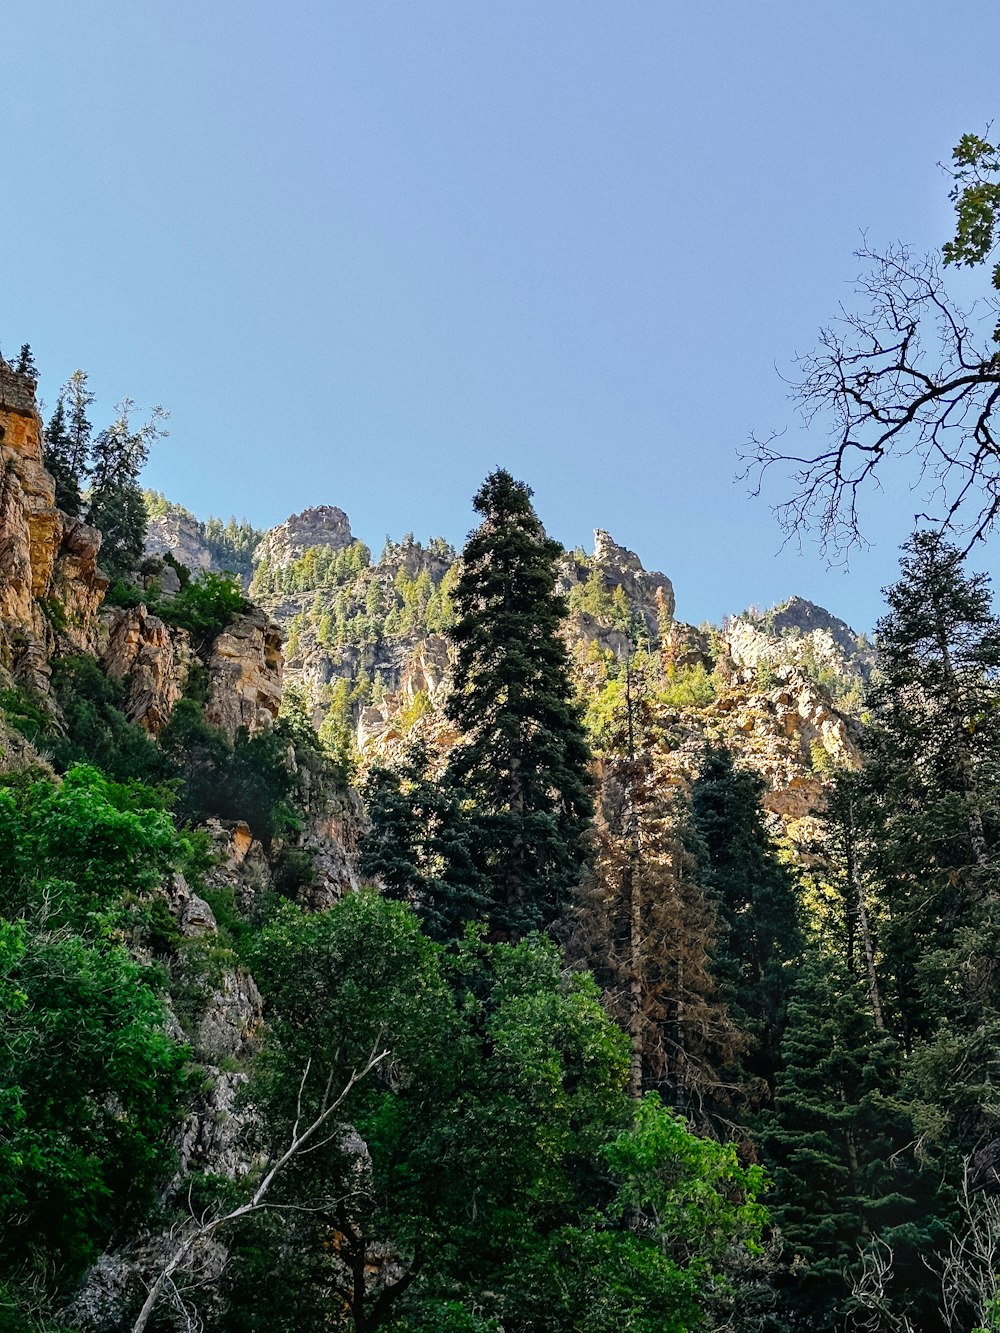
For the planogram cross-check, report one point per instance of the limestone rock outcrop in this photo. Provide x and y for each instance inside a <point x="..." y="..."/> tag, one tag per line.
<point x="180" y="535"/>
<point x="798" y="633"/>
<point x="325" y="525"/>
<point x="50" y="585"/>
<point x="245" y="667"/>
<point x="153" y="659"/>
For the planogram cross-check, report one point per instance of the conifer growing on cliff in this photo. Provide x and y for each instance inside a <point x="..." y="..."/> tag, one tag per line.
<point x="523" y="763"/>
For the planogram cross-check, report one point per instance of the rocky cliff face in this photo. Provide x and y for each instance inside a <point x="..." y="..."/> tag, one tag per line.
<point x="324" y="526"/>
<point x="50" y="586"/>
<point x="52" y="590"/>
<point x="245" y="669"/>
<point x="154" y="661"/>
<point x="799" y="633"/>
<point x="180" y="535"/>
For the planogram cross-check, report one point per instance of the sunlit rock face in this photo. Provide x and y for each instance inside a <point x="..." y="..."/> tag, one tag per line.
<point x="245" y="671"/>
<point x="180" y="535"/>
<point x="325" y="526"/>
<point x="50" y="585"/>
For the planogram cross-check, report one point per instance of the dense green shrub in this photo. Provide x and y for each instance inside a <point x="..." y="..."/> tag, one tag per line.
<point x="204" y="606"/>
<point x="90" y="1084"/>
<point x="97" y="730"/>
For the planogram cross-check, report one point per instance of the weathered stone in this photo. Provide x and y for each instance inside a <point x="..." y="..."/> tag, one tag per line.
<point x="324" y="525"/>
<point x="78" y="585"/>
<point x="245" y="666"/>
<point x="154" y="660"/>
<point x="231" y="1024"/>
<point x="179" y="534"/>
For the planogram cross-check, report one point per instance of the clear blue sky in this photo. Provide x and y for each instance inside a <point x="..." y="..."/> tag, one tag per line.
<point x="364" y="252"/>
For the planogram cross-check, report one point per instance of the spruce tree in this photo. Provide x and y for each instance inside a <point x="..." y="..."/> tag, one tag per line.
<point x="930" y="793"/>
<point x="837" y="1144"/>
<point x="646" y="930"/>
<point x="58" y="447"/>
<point x="78" y="398"/>
<point x="117" y="505"/>
<point x="25" y="364"/>
<point x="759" y="937"/>
<point x="420" y="845"/>
<point x="523" y="758"/>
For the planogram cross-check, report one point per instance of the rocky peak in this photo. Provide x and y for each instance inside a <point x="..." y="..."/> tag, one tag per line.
<point x="800" y="633"/>
<point x="650" y="592"/>
<point x="180" y="534"/>
<point x="799" y="614"/>
<point x="609" y="555"/>
<point x="412" y="557"/>
<point x="326" y="525"/>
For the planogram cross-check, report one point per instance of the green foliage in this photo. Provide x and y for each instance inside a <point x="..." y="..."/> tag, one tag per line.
<point x="689" y="687"/>
<point x="124" y="594"/>
<point x="837" y="1141"/>
<point x="97" y="730"/>
<point x="204" y="606"/>
<point x="25" y="363"/>
<point x="502" y="1161"/>
<point x="976" y="195"/>
<point x="523" y="757"/>
<point x="759" y="938"/>
<point x="26" y="714"/>
<point x="247" y="779"/>
<point x="115" y="502"/>
<point x="89" y="1081"/>
<point x="421" y="845"/>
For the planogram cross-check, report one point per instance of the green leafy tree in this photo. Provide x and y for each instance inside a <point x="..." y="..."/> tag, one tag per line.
<point x="523" y="757"/>
<point x="90" y="1081"/>
<point x="495" y="1174"/>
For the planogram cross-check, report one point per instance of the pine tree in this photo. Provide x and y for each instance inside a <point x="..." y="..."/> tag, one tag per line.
<point x="25" y="364"/>
<point x="117" y="505"/>
<point x="58" y="459"/>
<point x="523" y="758"/>
<point x="646" y="930"/>
<point x="837" y="1143"/>
<point x="421" y="845"/>
<point x="930" y="796"/>
<point x="78" y="398"/>
<point x="754" y="895"/>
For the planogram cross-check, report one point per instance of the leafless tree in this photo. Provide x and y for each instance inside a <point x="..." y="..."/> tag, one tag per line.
<point x="906" y="374"/>
<point x="195" y="1230"/>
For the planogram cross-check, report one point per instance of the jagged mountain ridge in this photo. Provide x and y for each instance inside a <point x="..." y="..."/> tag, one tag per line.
<point x="367" y="647"/>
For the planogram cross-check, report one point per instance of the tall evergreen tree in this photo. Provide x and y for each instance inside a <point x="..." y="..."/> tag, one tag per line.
<point x="930" y="789"/>
<point x="837" y="1145"/>
<point x="117" y="505"/>
<point x="79" y="400"/>
<point x="25" y="364"/>
<point x="523" y="758"/>
<point x="754" y="894"/>
<point x="421" y="845"/>
<point x="646" y="930"/>
<point x="58" y="446"/>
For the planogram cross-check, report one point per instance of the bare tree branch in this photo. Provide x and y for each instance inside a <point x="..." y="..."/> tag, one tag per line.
<point x="298" y="1142"/>
<point x="904" y="375"/>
